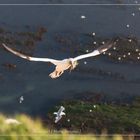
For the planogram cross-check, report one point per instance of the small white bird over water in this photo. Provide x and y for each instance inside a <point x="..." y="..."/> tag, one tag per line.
<point x="21" y="99"/>
<point x="83" y="17"/>
<point x="59" y="114"/>
<point x="65" y="64"/>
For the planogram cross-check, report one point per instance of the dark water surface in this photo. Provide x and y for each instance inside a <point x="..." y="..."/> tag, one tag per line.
<point x="31" y="80"/>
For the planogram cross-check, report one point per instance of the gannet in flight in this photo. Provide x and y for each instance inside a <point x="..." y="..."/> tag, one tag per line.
<point x="59" y="114"/>
<point x="65" y="64"/>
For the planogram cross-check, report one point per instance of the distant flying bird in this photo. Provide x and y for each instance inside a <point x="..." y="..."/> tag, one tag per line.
<point x="65" y="64"/>
<point x="21" y="99"/>
<point x="59" y="114"/>
<point x="12" y="121"/>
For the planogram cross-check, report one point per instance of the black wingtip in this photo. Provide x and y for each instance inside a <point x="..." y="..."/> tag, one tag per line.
<point x="106" y="46"/>
<point x="3" y="45"/>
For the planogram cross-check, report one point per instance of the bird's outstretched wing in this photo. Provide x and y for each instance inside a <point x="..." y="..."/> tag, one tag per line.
<point x="55" y="62"/>
<point x="98" y="51"/>
<point x="60" y="65"/>
<point x="57" y="119"/>
<point x="61" y="109"/>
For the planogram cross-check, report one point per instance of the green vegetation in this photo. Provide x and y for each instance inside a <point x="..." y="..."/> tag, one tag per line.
<point x="30" y="129"/>
<point x="25" y="131"/>
<point x="87" y="117"/>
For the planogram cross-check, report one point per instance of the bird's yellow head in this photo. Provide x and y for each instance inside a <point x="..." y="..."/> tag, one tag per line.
<point x="73" y="64"/>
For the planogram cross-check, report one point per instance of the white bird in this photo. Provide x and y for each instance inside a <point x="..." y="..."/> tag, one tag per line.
<point x="12" y="121"/>
<point x="65" y="64"/>
<point x="21" y="99"/>
<point x="83" y="17"/>
<point x="59" y="114"/>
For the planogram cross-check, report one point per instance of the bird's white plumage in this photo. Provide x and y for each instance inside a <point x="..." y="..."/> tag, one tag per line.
<point x="65" y="64"/>
<point x="60" y="110"/>
<point x="59" y="114"/>
<point x="29" y="57"/>
<point x="94" y="53"/>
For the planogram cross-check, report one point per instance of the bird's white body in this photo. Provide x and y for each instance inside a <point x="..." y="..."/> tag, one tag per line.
<point x="59" y="114"/>
<point x="65" y="64"/>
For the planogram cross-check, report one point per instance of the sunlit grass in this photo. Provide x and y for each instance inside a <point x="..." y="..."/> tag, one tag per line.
<point x="33" y="129"/>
